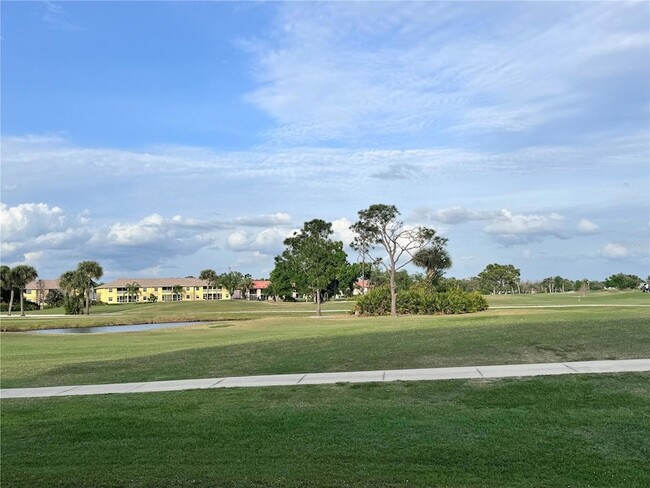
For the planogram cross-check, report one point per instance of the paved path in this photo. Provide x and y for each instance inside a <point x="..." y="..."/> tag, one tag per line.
<point x="502" y="371"/>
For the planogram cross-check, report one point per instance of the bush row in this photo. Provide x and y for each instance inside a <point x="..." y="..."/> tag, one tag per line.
<point x="27" y="306"/>
<point x="420" y="301"/>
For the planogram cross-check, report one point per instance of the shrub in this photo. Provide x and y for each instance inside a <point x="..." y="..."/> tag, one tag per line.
<point x="420" y="300"/>
<point x="28" y="306"/>
<point x="73" y="305"/>
<point x="54" y="298"/>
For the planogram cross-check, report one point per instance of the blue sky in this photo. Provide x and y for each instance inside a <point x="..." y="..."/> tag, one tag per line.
<point x="162" y="138"/>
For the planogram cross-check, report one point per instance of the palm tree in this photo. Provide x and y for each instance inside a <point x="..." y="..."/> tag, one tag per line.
<point x="90" y="270"/>
<point x="434" y="259"/>
<point x="245" y="285"/>
<point x="7" y="282"/>
<point x="23" y="274"/>
<point x="177" y="291"/>
<point x="133" y="290"/>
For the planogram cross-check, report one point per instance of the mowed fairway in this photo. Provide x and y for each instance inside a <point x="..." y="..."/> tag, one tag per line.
<point x="578" y="431"/>
<point x="587" y="430"/>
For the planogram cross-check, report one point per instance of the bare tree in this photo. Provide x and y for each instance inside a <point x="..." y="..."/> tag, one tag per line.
<point x="379" y="225"/>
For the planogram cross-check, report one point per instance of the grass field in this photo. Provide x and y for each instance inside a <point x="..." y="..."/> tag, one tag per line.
<point x="274" y="345"/>
<point x="127" y="314"/>
<point x="576" y="431"/>
<point x="587" y="430"/>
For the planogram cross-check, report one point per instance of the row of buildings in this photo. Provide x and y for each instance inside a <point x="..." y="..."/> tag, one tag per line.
<point x="154" y="289"/>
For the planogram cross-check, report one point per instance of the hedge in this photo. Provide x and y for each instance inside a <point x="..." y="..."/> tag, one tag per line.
<point x="420" y="301"/>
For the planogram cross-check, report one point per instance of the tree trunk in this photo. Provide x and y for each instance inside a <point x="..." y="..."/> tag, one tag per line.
<point x="393" y="292"/>
<point x="317" y="302"/>
<point x="87" y="301"/>
<point x="11" y="302"/>
<point x="22" y="307"/>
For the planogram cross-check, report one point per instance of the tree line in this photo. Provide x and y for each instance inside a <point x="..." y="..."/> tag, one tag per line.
<point x="313" y="264"/>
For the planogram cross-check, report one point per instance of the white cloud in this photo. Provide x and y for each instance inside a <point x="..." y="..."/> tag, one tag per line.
<point x="356" y="71"/>
<point x="453" y="215"/>
<point x="587" y="227"/>
<point x="268" y="241"/>
<point x="615" y="251"/>
<point x="265" y="220"/>
<point x="342" y="231"/>
<point x="151" y="229"/>
<point x="29" y="219"/>
<point x="509" y="228"/>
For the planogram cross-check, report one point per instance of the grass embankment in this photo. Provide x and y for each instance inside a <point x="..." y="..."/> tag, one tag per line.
<point x="591" y="430"/>
<point x="300" y="345"/>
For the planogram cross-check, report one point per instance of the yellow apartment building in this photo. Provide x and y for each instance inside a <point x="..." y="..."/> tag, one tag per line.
<point x="37" y="290"/>
<point x="163" y="289"/>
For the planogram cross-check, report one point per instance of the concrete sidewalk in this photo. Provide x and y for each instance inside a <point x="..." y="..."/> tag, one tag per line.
<point x="501" y="371"/>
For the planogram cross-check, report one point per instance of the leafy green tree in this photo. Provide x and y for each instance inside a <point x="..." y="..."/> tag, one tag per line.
<point x="434" y="259"/>
<point x="497" y="278"/>
<point x="54" y="298"/>
<point x="311" y="259"/>
<point x="152" y="298"/>
<point x="623" y="281"/>
<point x="7" y="284"/>
<point x="379" y="225"/>
<point x="72" y="283"/>
<point x="231" y="281"/>
<point x="21" y="276"/>
<point x="282" y="284"/>
<point x="348" y="276"/>
<point x="464" y="284"/>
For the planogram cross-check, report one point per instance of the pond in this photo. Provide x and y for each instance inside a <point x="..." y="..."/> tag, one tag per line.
<point x="109" y="329"/>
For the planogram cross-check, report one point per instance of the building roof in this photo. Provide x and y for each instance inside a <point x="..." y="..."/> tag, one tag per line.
<point x="162" y="282"/>
<point x="260" y="284"/>
<point x="47" y="284"/>
<point x="154" y="282"/>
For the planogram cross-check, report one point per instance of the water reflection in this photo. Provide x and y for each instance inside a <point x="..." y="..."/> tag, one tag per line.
<point x="109" y="329"/>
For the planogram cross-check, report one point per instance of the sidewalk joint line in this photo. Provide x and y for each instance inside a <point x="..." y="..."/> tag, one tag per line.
<point x="383" y="376"/>
<point x="479" y="371"/>
<point x="222" y="379"/>
<point x="66" y="391"/>
<point x="572" y="369"/>
<point x="303" y="377"/>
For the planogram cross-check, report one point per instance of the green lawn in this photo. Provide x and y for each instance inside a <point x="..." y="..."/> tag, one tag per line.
<point x="291" y="344"/>
<point x="616" y="298"/>
<point x="242" y="310"/>
<point x="578" y="431"/>
<point x="146" y="313"/>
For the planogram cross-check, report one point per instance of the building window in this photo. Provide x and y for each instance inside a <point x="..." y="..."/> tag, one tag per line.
<point x="187" y="297"/>
<point x="110" y="299"/>
<point x="110" y="290"/>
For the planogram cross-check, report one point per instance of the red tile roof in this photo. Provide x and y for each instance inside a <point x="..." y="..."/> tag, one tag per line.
<point x="260" y="284"/>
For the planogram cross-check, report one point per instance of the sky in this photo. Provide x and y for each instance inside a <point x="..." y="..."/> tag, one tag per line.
<point x="163" y="138"/>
